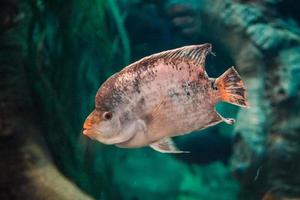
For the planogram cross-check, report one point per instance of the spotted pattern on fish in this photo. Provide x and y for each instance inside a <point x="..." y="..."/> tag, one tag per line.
<point x="164" y="95"/>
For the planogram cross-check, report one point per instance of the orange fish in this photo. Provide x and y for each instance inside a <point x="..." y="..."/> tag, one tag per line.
<point x="160" y="96"/>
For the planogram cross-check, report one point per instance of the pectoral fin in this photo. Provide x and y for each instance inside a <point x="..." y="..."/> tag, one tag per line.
<point x="166" y="145"/>
<point x="157" y="111"/>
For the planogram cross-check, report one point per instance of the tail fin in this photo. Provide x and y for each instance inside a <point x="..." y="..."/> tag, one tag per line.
<point x="232" y="88"/>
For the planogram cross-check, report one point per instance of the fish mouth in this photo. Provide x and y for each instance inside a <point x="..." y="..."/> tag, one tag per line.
<point x="86" y="132"/>
<point x="89" y="132"/>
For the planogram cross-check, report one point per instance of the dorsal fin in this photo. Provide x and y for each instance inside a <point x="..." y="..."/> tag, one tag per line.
<point x="194" y="53"/>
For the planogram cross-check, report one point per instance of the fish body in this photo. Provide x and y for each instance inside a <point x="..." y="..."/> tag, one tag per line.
<point x="161" y="96"/>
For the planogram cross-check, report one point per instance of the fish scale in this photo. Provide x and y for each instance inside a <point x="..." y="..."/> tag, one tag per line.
<point x="182" y="111"/>
<point x="161" y="96"/>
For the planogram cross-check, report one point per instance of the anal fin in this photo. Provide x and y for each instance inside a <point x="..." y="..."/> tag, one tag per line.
<point x="166" y="145"/>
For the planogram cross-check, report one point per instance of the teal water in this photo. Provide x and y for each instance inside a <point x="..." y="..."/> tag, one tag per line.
<point x="73" y="47"/>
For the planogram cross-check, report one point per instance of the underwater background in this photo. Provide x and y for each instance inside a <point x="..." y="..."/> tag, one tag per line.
<point x="55" y="54"/>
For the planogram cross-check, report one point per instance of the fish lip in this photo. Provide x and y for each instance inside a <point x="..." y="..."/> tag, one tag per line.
<point x="89" y="132"/>
<point x="85" y="132"/>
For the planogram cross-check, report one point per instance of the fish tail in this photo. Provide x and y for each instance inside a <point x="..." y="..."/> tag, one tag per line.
<point x="232" y="88"/>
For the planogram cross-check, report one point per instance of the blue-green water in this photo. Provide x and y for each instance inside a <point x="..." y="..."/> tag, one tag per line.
<point x="68" y="49"/>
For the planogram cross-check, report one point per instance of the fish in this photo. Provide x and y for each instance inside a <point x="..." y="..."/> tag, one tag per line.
<point x="160" y="96"/>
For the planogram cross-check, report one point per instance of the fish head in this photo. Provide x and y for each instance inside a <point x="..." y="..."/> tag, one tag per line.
<point x="104" y="126"/>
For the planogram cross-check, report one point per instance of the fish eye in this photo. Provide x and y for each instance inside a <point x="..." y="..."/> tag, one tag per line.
<point x="107" y="115"/>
